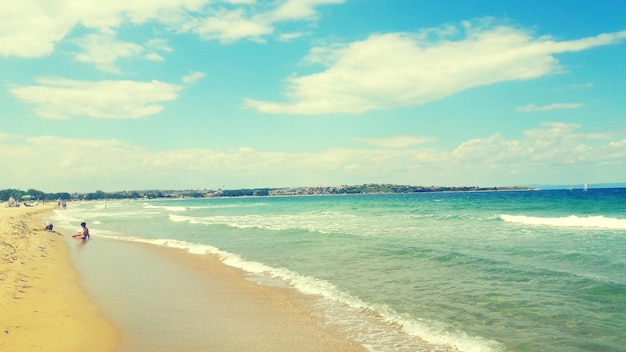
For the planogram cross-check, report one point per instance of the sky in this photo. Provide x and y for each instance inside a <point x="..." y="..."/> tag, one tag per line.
<point x="229" y="94"/>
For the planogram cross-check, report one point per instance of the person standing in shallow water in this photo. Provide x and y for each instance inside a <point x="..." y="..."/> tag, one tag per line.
<point x="84" y="234"/>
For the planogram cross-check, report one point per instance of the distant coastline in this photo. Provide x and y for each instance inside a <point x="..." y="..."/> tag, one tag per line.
<point x="32" y="196"/>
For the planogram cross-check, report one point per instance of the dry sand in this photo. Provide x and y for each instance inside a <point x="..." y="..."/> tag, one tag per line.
<point x="42" y="305"/>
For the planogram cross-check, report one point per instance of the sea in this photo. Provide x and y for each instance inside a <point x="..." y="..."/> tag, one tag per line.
<point x="540" y="270"/>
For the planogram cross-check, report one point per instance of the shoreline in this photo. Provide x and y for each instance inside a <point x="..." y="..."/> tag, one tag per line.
<point x="43" y="306"/>
<point x="166" y="299"/>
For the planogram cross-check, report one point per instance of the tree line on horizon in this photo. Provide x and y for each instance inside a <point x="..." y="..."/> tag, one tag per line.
<point x="33" y="194"/>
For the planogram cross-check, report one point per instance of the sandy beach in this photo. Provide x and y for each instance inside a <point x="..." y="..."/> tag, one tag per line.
<point x="42" y="304"/>
<point x="166" y="299"/>
<point x="57" y="294"/>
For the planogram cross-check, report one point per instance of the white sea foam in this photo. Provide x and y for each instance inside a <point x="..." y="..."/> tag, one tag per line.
<point x="166" y="207"/>
<point x="105" y="205"/>
<point x="320" y="222"/>
<point x="66" y="220"/>
<point x="377" y="327"/>
<point x="227" y="206"/>
<point x="180" y="208"/>
<point x="569" y="221"/>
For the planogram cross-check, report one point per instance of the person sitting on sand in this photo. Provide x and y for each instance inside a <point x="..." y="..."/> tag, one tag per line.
<point x="84" y="234"/>
<point x="12" y="203"/>
<point x="49" y="226"/>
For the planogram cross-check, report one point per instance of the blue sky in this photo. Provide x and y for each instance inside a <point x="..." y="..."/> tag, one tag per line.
<point x="194" y="94"/>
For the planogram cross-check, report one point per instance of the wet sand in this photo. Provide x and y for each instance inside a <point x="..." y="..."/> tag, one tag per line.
<point x="42" y="304"/>
<point x="166" y="299"/>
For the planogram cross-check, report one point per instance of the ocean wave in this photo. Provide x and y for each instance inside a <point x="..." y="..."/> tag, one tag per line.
<point x="568" y="221"/>
<point x="322" y="222"/>
<point x="166" y="207"/>
<point x="228" y="206"/>
<point x="374" y="326"/>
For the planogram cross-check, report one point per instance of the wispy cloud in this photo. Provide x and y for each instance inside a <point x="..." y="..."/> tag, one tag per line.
<point x="192" y="77"/>
<point x="228" y="26"/>
<point x="158" y="44"/>
<point x="392" y="70"/>
<point x="286" y="37"/>
<point x="252" y="20"/>
<point x="556" y="106"/>
<point x="102" y="50"/>
<point x="290" y="10"/>
<point x="396" y="141"/>
<point x="59" y="98"/>
<point x="581" y="86"/>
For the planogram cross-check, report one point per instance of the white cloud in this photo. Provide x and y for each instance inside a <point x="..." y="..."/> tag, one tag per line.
<point x="154" y="45"/>
<point x="619" y="144"/>
<point x="392" y="70"/>
<point x="112" y="14"/>
<point x="154" y="57"/>
<point x="158" y="44"/>
<point x="251" y="20"/>
<point x="286" y="37"/>
<point x="59" y="98"/>
<point x="192" y="77"/>
<point x="299" y="9"/>
<point x="552" y="153"/>
<point x="229" y="26"/>
<point x="241" y="2"/>
<point x="581" y="86"/>
<point x="556" y="106"/>
<point x="31" y="28"/>
<point x="396" y="141"/>
<point x="70" y="163"/>
<point x="103" y="51"/>
<point x="551" y="146"/>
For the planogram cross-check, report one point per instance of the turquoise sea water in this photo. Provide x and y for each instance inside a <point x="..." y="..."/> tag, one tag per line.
<point x="483" y="271"/>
